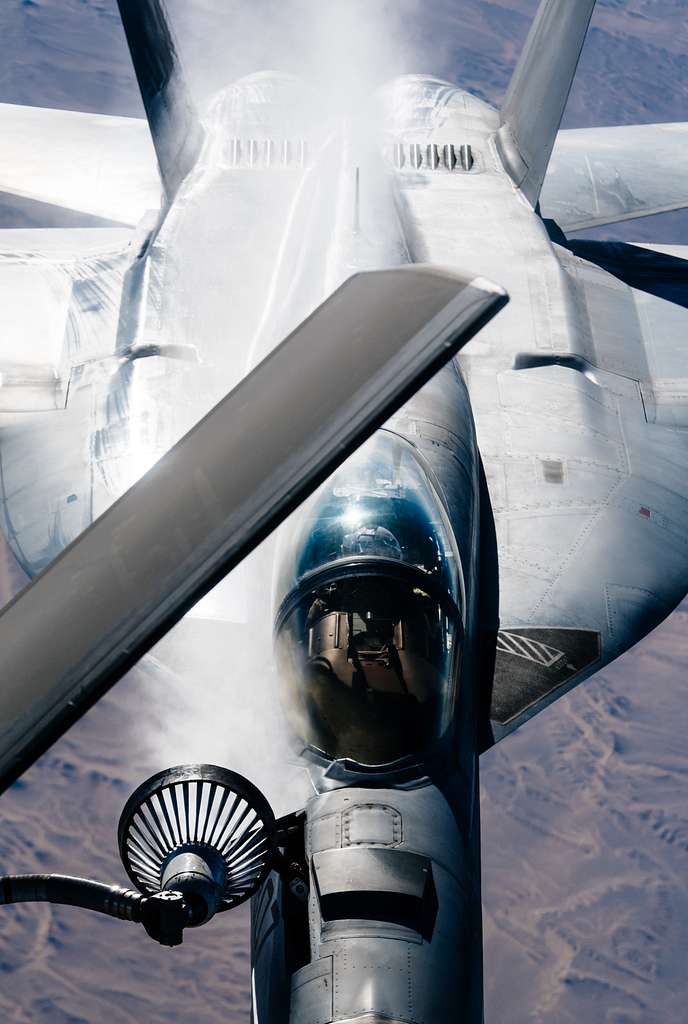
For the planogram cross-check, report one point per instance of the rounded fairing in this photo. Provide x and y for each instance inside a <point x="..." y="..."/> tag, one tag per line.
<point x="368" y="631"/>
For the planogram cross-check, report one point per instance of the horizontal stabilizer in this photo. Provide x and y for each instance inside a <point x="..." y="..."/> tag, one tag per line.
<point x="176" y="130"/>
<point x="603" y="175"/>
<point x="536" y="98"/>
<point x="91" y="163"/>
<point x="132" y="575"/>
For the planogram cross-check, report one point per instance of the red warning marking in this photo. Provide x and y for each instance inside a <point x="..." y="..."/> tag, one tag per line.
<point x="645" y="512"/>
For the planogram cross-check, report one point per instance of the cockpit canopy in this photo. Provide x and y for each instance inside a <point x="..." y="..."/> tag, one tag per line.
<point x="382" y="505"/>
<point x="369" y="626"/>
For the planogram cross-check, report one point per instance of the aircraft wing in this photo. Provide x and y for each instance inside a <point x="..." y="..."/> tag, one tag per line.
<point x="56" y="287"/>
<point x="602" y="175"/>
<point x="91" y="163"/>
<point x="60" y="294"/>
<point x="588" y="481"/>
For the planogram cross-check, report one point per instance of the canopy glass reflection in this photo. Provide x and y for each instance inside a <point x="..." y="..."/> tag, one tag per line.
<point x="368" y="631"/>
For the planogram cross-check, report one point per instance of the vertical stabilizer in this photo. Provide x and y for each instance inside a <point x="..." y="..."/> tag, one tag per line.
<point x="176" y="130"/>
<point x="535" y="102"/>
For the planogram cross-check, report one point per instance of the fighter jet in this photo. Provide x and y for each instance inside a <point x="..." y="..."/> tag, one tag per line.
<point x="484" y="507"/>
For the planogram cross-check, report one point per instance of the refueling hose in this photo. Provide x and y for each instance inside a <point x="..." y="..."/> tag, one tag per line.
<point x="164" y="915"/>
<point x="74" y="892"/>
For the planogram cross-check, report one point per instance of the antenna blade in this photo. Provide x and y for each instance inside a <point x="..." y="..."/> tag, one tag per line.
<point x="175" y="128"/>
<point x="222" y="489"/>
<point x="536" y="98"/>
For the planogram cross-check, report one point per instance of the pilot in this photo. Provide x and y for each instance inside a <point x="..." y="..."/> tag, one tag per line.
<point x="372" y="540"/>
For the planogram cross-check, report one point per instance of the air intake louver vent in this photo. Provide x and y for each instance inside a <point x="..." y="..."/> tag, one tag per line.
<point x="265" y="153"/>
<point x="416" y="156"/>
<point x="290" y="154"/>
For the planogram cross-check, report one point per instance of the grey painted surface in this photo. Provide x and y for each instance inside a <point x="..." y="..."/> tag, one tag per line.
<point x="588" y="746"/>
<point x="414" y="983"/>
<point x="535" y="100"/>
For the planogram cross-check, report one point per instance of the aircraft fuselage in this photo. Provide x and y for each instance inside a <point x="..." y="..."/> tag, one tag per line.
<point x="288" y="199"/>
